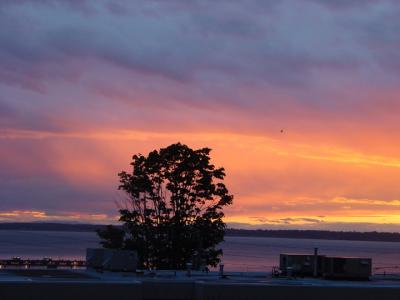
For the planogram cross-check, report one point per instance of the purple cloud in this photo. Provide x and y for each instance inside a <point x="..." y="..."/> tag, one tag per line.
<point x="194" y="44"/>
<point x="70" y="68"/>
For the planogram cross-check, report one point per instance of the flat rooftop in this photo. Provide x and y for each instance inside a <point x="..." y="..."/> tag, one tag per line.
<point x="255" y="278"/>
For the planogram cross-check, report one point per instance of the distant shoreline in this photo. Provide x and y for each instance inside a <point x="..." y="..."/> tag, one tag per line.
<point x="294" y="234"/>
<point x="371" y="236"/>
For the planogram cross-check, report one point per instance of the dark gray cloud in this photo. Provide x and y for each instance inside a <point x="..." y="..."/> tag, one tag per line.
<point x="6" y="110"/>
<point x="77" y="5"/>
<point x="345" y="4"/>
<point x="286" y="221"/>
<point x="238" y="42"/>
<point x="215" y="53"/>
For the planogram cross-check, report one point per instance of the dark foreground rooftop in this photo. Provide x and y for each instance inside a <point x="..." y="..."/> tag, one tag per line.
<point x="83" y="284"/>
<point x="260" y="278"/>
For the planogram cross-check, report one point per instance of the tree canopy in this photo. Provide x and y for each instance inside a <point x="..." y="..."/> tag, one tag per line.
<point x="174" y="209"/>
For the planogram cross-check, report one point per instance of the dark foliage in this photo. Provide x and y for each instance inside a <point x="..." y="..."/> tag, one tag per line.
<point x="111" y="237"/>
<point x="173" y="214"/>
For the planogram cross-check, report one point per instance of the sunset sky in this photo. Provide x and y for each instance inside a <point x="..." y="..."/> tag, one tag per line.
<point x="86" y="84"/>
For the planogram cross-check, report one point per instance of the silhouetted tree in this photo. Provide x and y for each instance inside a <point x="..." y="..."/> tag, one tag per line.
<point x="173" y="214"/>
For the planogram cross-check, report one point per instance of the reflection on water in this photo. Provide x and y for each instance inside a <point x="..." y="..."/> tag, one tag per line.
<point x="240" y="253"/>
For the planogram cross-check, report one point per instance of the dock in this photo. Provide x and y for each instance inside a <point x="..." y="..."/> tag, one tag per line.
<point x="44" y="262"/>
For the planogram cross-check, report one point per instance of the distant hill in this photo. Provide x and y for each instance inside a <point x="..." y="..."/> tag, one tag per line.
<point x="297" y="234"/>
<point x="319" y="234"/>
<point x="50" y="227"/>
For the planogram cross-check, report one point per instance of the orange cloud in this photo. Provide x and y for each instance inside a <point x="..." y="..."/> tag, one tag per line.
<point x="272" y="177"/>
<point x="33" y="215"/>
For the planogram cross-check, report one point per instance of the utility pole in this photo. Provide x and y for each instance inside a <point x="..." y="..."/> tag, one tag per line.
<point x="315" y="265"/>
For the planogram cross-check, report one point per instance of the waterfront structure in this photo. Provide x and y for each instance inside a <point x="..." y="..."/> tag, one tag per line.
<point x="325" y="266"/>
<point x="293" y="264"/>
<point x="111" y="259"/>
<point x="346" y="267"/>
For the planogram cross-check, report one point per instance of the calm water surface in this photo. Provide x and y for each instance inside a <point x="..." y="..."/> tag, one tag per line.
<point x="240" y="253"/>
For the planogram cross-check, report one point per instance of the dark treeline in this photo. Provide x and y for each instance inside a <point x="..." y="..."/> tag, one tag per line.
<point x="51" y="227"/>
<point x="319" y="234"/>
<point x="298" y="234"/>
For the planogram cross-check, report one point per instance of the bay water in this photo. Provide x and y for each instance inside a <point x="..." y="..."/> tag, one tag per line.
<point x="240" y="253"/>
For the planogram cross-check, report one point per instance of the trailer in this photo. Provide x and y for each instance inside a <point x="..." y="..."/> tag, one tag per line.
<point x="293" y="264"/>
<point x="332" y="267"/>
<point x="356" y="268"/>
